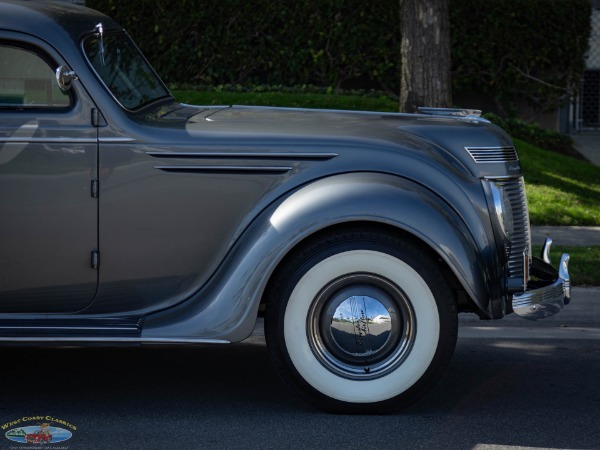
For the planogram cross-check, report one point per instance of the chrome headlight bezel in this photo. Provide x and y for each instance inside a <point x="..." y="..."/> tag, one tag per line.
<point x="507" y="204"/>
<point x="501" y="214"/>
<point x="509" y="215"/>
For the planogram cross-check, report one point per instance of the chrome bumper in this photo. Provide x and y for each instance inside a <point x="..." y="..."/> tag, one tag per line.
<point x="547" y="291"/>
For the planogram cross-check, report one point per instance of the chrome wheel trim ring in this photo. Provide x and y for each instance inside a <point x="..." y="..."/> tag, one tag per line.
<point x="361" y="326"/>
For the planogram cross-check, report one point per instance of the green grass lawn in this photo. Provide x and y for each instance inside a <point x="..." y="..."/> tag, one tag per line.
<point x="584" y="265"/>
<point x="288" y="99"/>
<point x="560" y="190"/>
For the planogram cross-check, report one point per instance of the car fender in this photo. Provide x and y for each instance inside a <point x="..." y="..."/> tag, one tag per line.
<point x="226" y="310"/>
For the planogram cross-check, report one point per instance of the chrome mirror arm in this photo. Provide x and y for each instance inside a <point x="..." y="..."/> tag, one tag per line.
<point x="65" y="78"/>
<point x="99" y="30"/>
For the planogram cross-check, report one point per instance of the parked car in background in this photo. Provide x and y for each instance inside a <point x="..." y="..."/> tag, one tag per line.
<point x="128" y="217"/>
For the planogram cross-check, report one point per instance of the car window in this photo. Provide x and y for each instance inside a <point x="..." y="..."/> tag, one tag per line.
<point x="124" y="70"/>
<point x="28" y="82"/>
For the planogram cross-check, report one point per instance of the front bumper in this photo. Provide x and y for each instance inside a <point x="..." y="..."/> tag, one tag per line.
<point x="547" y="291"/>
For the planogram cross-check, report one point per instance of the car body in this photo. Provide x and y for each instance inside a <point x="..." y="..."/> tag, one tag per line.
<point x="128" y="217"/>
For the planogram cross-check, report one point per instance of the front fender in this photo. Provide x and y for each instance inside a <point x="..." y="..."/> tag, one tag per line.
<point x="227" y="306"/>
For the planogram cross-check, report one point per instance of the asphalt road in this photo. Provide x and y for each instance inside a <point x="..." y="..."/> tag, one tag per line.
<point x="517" y="385"/>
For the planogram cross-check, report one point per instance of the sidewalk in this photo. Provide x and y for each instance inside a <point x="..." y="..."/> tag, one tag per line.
<point x="588" y="144"/>
<point x="578" y="236"/>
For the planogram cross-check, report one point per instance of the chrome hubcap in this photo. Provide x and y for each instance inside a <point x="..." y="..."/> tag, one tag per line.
<point x="361" y="326"/>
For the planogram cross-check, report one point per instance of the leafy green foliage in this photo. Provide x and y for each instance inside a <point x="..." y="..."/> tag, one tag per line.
<point x="515" y="49"/>
<point x="297" y="97"/>
<point x="510" y="49"/>
<point x="260" y="41"/>
<point x="536" y="135"/>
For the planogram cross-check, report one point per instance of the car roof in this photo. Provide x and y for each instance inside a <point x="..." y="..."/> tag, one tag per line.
<point x="51" y="20"/>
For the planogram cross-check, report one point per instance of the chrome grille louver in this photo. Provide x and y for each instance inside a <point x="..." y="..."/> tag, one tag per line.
<point x="520" y="238"/>
<point x="493" y="154"/>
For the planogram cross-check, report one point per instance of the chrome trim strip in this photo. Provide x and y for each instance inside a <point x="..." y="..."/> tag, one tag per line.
<point x="526" y="268"/>
<point x="63" y="140"/>
<point x="116" y="139"/>
<point x="115" y="340"/>
<point x="58" y="329"/>
<point x="243" y="155"/>
<point x="225" y="169"/>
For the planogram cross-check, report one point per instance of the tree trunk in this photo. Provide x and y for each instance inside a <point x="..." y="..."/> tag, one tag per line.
<point x="425" y="54"/>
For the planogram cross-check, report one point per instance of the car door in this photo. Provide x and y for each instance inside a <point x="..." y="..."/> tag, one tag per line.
<point x="48" y="164"/>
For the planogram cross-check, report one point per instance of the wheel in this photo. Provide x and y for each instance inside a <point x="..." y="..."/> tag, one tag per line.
<point x="360" y="322"/>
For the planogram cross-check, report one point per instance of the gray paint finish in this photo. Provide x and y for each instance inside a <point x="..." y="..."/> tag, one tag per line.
<point x="197" y="206"/>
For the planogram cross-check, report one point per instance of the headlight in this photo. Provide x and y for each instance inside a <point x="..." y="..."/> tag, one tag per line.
<point x="502" y="207"/>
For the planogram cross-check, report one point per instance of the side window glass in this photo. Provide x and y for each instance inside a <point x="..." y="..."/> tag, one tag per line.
<point x="28" y="82"/>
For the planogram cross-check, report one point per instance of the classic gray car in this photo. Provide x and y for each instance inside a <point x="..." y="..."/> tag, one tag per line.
<point x="129" y="218"/>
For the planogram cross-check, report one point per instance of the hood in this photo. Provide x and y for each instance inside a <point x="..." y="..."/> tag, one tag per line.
<point x="313" y="122"/>
<point x="442" y="135"/>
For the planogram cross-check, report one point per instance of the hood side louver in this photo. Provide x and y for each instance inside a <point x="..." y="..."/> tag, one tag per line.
<point x="493" y="154"/>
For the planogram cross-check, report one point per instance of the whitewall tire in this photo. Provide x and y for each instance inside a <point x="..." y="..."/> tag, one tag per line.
<point x="360" y="322"/>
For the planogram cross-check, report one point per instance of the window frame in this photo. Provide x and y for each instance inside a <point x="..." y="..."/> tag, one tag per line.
<point x="52" y="65"/>
<point x="163" y="99"/>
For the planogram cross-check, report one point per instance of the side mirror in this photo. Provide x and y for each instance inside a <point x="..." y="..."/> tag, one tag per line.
<point x="65" y="78"/>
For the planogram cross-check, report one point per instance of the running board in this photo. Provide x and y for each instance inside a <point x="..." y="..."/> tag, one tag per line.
<point x="104" y="340"/>
<point x="71" y="328"/>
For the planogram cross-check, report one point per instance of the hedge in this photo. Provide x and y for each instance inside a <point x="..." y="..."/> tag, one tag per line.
<point x="513" y="49"/>
<point x="536" y="135"/>
<point x="325" y="43"/>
